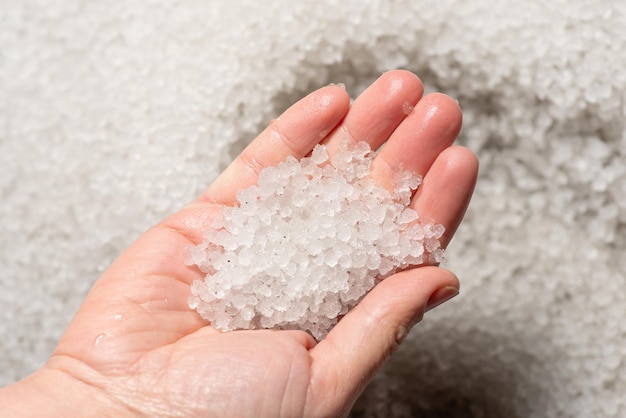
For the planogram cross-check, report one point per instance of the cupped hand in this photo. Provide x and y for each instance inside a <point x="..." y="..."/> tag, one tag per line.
<point x="138" y="349"/>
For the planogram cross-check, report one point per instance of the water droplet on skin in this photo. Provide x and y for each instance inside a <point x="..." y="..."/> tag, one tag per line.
<point x="323" y="133"/>
<point x="407" y="108"/>
<point x="99" y="338"/>
<point x="118" y="317"/>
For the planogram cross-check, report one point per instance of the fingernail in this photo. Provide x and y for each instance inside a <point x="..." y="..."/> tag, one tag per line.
<point x="440" y="296"/>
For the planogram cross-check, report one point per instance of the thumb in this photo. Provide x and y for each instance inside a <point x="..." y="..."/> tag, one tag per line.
<point x="345" y="361"/>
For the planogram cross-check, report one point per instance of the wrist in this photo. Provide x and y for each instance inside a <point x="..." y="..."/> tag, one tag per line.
<point x="51" y="392"/>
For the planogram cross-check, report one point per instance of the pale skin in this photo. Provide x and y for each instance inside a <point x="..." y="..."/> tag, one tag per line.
<point x="134" y="348"/>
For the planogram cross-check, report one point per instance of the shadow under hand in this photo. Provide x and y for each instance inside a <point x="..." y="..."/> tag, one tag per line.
<point x="446" y="373"/>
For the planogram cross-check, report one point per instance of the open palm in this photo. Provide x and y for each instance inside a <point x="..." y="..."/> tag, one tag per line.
<point x="136" y="344"/>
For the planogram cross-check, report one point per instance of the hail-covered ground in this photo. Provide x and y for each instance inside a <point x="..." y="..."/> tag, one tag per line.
<point x="114" y="114"/>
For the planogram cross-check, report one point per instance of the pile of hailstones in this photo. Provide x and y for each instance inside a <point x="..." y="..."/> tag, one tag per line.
<point x="305" y="245"/>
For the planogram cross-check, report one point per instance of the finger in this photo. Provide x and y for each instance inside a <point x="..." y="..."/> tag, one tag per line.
<point x="294" y="133"/>
<point x="367" y="335"/>
<point x="432" y="126"/>
<point x="447" y="189"/>
<point x="378" y="110"/>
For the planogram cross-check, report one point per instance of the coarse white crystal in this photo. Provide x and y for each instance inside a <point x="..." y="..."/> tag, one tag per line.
<point x="308" y="243"/>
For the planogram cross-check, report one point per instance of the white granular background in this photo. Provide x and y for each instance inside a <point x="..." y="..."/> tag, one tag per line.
<point x="114" y="114"/>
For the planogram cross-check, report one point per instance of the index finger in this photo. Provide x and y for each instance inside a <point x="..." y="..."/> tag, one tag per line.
<point x="294" y="133"/>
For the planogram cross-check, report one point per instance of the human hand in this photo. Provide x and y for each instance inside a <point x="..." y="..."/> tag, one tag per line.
<point x="136" y="348"/>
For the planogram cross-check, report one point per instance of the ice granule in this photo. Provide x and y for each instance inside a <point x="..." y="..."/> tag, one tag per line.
<point x="407" y="108"/>
<point x="269" y="267"/>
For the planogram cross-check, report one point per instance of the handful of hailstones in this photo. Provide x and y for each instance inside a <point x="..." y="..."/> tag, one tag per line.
<point x="305" y="246"/>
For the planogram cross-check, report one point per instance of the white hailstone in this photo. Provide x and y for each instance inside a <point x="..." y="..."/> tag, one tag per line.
<point x="305" y="245"/>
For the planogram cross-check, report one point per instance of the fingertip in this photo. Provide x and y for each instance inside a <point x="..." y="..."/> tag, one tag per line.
<point x="447" y="278"/>
<point x="446" y="111"/>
